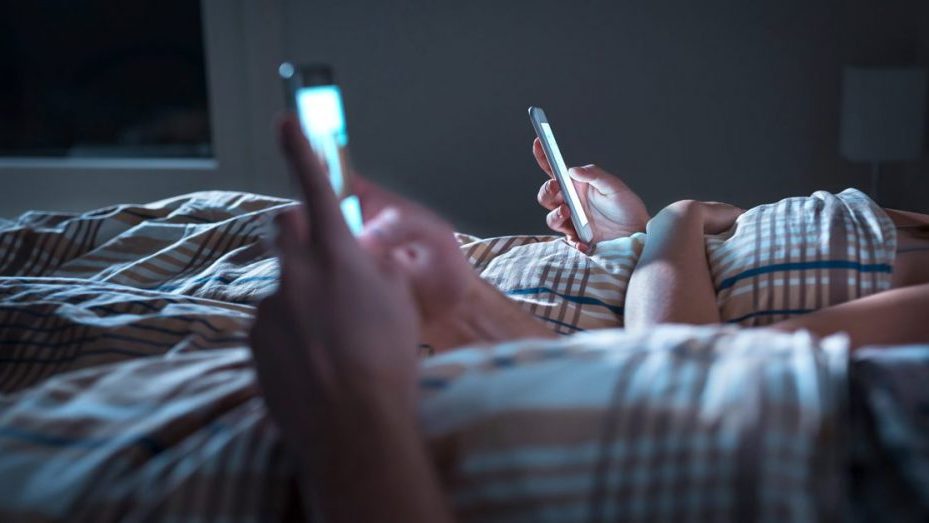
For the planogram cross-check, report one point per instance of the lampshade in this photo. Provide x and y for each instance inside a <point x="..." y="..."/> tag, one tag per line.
<point x="883" y="114"/>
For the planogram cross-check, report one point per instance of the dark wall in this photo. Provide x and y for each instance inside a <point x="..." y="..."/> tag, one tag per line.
<point x="908" y="185"/>
<point x="728" y="100"/>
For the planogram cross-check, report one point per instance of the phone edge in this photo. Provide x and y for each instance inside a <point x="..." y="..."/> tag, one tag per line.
<point x="585" y="233"/>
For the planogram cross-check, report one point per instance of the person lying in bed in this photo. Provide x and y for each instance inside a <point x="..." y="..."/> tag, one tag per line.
<point x="675" y="263"/>
<point x="350" y="386"/>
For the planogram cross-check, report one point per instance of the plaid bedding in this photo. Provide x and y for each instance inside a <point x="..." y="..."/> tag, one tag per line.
<point x="130" y="281"/>
<point x="681" y="423"/>
<point x="779" y="260"/>
<point x="203" y="244"/>
<point x="696" y="423"/>
<point x="126" y="391"/>
<point x="801" y="254"/>
<point x="567" y="290"/>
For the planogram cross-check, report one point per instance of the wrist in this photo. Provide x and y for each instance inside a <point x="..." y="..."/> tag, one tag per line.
<point x="346" y="442"/>
<point x="381" y="472"/>
<point x="677" y="213"/>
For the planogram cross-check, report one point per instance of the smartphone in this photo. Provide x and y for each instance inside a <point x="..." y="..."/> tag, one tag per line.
<point x="578" y="215"/>
<point x="313" y="94"/>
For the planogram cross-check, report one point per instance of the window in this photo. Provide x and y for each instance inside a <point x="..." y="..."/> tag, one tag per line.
<point x="214" y="80"/>
<point x="103" y="79"/>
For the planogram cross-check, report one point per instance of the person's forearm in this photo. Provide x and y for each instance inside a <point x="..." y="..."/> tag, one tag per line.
<point x="485" y="315"/>
<point x="378" y="472"/>
<point x="671" y="282"/>
<point x="891" y="317"/>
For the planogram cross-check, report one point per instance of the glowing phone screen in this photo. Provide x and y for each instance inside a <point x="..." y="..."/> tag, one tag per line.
<point x="323" y="121"/>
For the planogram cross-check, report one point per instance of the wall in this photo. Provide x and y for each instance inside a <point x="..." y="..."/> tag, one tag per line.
<point x="908" y="185"/>
<point x="728" y="100"/>
<point x="722" y="99"/>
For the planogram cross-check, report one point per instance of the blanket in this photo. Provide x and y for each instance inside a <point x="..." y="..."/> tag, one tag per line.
<point x="678" y="423"/>
<point x="126" y="389"/>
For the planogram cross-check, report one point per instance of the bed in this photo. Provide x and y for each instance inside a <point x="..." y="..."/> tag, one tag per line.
<point x="126" y="388"/>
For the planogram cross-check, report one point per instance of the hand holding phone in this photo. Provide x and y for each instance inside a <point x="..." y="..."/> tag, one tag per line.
<point x="601" y="206"/>
<point x="578" y="214"/>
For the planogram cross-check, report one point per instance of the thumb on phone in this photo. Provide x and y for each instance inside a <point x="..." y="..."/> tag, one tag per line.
<point x="595" y="177"/>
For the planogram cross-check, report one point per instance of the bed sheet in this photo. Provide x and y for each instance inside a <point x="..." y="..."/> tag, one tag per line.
<point x="126" y="388"/>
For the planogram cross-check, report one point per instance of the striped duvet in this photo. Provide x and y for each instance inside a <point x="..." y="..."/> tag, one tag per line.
<point x="681" y="423"/>
<point x="126" y="391"/>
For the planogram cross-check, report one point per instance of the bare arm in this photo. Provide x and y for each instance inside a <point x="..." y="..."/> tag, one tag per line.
<point x="334" y="350"/>
<point x="672" y="282"/>
<point x="891" y="317"/>
<point x="375" y="470"/>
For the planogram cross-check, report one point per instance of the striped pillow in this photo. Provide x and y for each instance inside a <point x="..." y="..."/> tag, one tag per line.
<point x="564" y="288"/>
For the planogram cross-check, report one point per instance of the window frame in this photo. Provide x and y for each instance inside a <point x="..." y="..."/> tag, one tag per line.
<point x="242" y="43"/>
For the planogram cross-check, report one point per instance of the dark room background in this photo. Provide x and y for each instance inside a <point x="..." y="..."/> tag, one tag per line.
<point x="724" y="99"/>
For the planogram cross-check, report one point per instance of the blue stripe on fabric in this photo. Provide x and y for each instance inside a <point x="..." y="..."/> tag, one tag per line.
<point x="799" y="266"/>
<point x="148" y="442"/>
<point x="81" y="341"/>
<point x="225" y="280"/>
<point x="155" y="218"/>
<point x="18" y="307"/>
<point x="62" y="359"/>
<point x="561" y="323"/>
<point x="434" y="383"/>
<point x="111" y="335"/>
<point x="168" y="287"/>
<point x="584" y="300"/>
<point x="243" y="340"/>
<point x="36" y="314"/>
<point x="52" y="440"/>
<point x="499" y="361"/>
<point x="502" y="361"/>
<point x="55" y="330"/>
<point x="770" y="312"/>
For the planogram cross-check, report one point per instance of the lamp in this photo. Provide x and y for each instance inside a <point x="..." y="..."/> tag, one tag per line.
<point x="883" y="116"/>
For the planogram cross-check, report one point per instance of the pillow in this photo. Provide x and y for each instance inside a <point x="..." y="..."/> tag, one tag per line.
<point x="556" y="283"/>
